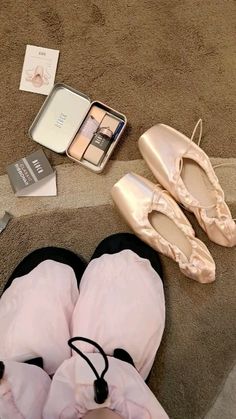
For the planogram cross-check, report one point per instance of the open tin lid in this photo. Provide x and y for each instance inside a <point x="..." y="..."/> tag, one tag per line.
<point x="60" y="117"/>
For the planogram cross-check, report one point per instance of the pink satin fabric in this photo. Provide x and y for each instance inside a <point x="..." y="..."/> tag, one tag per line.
<point x="136" y="198"/>
<point x="163" y="149"/>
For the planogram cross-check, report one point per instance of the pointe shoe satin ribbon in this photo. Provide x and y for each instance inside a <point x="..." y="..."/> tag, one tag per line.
<point x="183" y="169"/>
<point x="156" y="219"/>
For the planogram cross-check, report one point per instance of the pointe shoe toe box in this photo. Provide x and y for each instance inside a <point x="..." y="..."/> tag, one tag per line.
<point x="137" y="198"/>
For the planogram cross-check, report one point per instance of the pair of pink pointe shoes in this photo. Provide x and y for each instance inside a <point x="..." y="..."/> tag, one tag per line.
<point x="186" y="173"/>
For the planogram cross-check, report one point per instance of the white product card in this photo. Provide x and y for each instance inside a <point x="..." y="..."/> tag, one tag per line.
<point x="39" y="69"/>
<point x="47" y="187"/>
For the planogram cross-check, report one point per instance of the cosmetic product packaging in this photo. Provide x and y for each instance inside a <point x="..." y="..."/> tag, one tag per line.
<point x="33" y="176"/>
<point x="68" y="122"/>
<point x="99" y="145"/>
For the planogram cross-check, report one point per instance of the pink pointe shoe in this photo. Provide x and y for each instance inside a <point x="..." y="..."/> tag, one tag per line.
<point x="183" y="168"/>
<point x="157" y="220"/>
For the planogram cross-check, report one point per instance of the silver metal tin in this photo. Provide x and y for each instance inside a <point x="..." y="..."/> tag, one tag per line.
<point x="60" y="118"/>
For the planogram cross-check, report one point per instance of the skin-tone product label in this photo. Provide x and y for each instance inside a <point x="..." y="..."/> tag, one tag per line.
<point x="83" y="137"/>
<point x="97" y="148"/>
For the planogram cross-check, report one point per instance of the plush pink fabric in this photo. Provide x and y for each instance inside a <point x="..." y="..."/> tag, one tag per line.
<point x="71" y="394"/>
<point x="35" y="315"/>
<point x="23" y="391"/>
<point x="121" y="305"/>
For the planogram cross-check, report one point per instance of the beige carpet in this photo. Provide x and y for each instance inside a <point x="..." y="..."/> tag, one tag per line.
<point x="166" y="60"/>
<point x="169" y="61"/>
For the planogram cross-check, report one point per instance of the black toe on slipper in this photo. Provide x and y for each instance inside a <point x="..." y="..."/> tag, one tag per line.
<point x="121" y="241"/>
<point x="48" y="253"/>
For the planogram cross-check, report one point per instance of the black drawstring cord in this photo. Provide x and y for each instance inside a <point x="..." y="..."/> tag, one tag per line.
<point x="2" y="369"/>
<point x="100" y="385"/>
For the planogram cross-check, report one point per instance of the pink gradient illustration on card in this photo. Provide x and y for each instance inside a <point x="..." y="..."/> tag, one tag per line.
<point x="39" y="69"/>
<point x="38" y="76"/>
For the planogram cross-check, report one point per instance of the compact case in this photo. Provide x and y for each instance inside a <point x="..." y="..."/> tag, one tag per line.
<point x="68" y="122"/>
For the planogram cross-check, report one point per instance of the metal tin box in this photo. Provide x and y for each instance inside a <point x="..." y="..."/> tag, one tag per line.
<point x="60" y="118"/>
